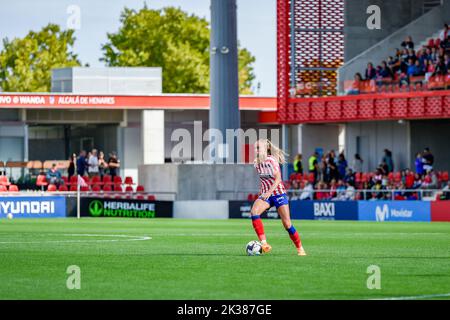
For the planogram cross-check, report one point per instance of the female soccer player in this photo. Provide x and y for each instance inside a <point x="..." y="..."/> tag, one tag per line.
<point x="272" y="193"/>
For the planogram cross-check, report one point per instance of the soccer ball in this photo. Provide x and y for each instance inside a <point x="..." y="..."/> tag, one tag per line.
<point x="9" y="216"/>
<point x="254" y="248"/>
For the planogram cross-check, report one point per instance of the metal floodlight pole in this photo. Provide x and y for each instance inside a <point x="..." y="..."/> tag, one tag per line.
<point x="224" y="83"/>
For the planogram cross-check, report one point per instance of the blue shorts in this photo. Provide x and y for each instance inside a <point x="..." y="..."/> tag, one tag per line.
<point x="277" y="201"/>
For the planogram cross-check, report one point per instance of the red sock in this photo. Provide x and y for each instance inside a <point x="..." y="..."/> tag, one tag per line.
<point x="296" y="239"/>
<point x="293" y="234"/>
<point x="259" y="227"/>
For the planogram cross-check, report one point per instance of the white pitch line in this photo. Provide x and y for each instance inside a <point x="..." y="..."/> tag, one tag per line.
<point x="129" y="238"/>
<point x="426" y="296"/>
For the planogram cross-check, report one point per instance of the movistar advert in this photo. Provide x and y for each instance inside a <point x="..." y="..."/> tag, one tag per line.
<point x="33" y="207"/>
<point x="99" y="207"/>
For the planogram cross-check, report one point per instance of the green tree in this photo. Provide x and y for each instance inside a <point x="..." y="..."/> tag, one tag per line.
<point x="26" y="63"/>
<point x="174" y="40"/>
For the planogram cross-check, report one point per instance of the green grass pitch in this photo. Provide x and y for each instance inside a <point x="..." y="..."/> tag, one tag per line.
<point x="205" y="259"/>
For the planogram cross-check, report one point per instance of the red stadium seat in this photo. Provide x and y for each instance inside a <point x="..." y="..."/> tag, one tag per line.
<point x="73" y="180"/>
<point x="107" y="179"/>
<point x="96" y="188"/>
<point x="65" y="179"/>
<point x="107" y="188"/>
<point x="41" y="181"/>
<point x="13" y="188"/>
<point x="311" y="177"/>
<point x="293" y="176"/>
<point x="96" y="180"/>
<point x="87" y="179"/>
<point x="129" y="181"/>
<point x="51" y="188"/>
<point x="84" y="188"/>
<point x="73" y="187"/>
<point x="445" y="176"/>
<point x="118" y="188"/>
<point x="129" y="189"/>
<point x="140" y="188"/>
<point x="4" y="181"/>
<point x="250" y="197"/>
<point x="117" y="180"/>
<point x="151" y="198"/>
<point x="63" y="188"/>
<point x="140" y="197"/>
<point x="3" y="188"/>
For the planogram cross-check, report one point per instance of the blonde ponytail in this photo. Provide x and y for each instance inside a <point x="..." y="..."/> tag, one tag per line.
<point x="274" y="151"/>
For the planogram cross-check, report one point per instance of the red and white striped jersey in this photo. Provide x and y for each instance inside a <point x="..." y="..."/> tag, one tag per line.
<point x="266" y="171"/>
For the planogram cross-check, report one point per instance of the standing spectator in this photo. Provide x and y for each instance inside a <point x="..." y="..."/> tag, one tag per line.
<point x="113" y="164"/>
<point x="357" y="163"/>
<point x="388" y="160"/>
<point x="81" y="163"/>
<point x="54" y="176"/>
<point x="428" y="159"/>
<point x="102" y="164"/>
<point x="443" y="35"/>
<point x="313" y="165"/>
<point x="419" y="164"/>
<point x="371" y="73"/>
<point x="334" y="173"/>
<point x="342" y="166"/>
<point x="408" y="43"/>
<point x="93" y="164"/>
<point x="72" y="165"/>
<point x="298" y="165"/>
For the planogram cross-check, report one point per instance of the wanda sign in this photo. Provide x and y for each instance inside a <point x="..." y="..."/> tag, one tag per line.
<point x="68" y="101"/>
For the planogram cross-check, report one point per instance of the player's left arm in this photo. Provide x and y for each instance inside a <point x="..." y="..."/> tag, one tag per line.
<point x="277" y="176"/>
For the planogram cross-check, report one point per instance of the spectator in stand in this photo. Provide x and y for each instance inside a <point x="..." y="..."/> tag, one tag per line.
<point x="443" y="35"/>
<point x="322" y="195"/>
<point x="446" y="192"/>
<point x="323" y="169"/>
<point x="419" y="164"/>
<point x="54" y="176"/>
<point x="72" y="165"/>
<point x="356" y="85"/>
<point x="102" y="164"/>
<point x="394" y="64"/>
<point x="408" y="43"/>
<point x="93" y="164"/>
<point x="113" y="164"/>
<point x="371" y="73"/>
<point x="440" y="69"/>
<point x="340" y="191"/>
<point x="411" y="55"/>
<point x="333" y="188"/>
<point x="417" y="182"/>
<point x="447" y="61"/>
<point x="428" y="159"/>
<point x="350" y="176"/>
<point x="429" y="69"/>
<point x="385" y="74"/>
<point x="332" y="166"/>
<point x="434" y="56"/>
<point x="342" y="166"/>
<point x="378" y="176"/>
<point x="81" y="163"/>
<point x="357" y="163"/>
<point x="298" y="165"/>
<point x="308" y="192"/>
<point x="313" y="165"/>
<point x="388" y="160"/>
<point x="350" y="191"/>
<point x="409" y="180"/>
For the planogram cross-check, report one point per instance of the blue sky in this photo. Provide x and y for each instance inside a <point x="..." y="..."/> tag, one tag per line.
<point x="256" y="26"/>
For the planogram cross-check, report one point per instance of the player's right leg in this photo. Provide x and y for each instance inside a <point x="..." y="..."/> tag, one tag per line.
<point x="259" y="206"/>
